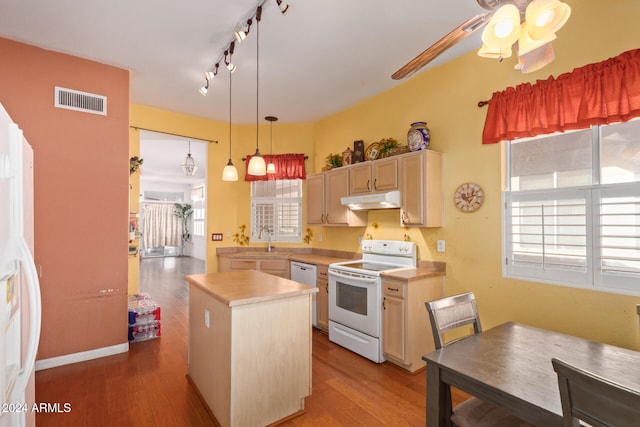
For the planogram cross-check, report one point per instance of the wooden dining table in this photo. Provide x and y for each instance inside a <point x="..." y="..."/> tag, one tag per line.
<point x="510" y="366"/>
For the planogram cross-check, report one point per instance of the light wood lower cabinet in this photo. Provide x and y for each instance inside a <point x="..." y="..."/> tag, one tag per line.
<point x="322" y="298"/>
<point x="277" y="267"/>
<point x="406" y="333"/>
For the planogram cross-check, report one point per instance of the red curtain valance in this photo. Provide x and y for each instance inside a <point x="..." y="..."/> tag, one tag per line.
<point x="288" y="166"/>
<point x="601" y="93"/>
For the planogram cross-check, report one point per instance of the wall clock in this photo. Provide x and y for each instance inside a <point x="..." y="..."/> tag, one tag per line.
<point x="468" y="197"/>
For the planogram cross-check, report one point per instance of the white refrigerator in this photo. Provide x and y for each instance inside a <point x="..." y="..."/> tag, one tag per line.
<point x="20" y="307"/>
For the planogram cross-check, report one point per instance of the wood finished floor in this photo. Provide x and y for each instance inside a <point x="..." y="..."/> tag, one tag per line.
<point x="148" y="387"/>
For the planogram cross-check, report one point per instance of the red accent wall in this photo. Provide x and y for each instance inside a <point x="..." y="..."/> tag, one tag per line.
<point x="81" y="194"/>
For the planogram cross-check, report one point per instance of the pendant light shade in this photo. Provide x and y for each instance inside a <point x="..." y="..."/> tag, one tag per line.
<point x="189" y="167"/>
<point x="230" y="173"/>
<point x="257" y="165"/>
<point x="526" y="44"/>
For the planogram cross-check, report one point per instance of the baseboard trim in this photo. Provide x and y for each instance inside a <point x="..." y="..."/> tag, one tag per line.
<point x="82" y="356"/>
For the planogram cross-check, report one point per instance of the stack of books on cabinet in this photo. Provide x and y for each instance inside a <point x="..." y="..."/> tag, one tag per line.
<point x="144" y="318"/>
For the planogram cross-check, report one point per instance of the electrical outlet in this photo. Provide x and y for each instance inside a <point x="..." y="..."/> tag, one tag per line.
<point x="227" y="233"/>
<point x="206" y="318"/>
<point x="359" y="240"/>
<point x="319" y="237"/>
<point x="440" y="246"/>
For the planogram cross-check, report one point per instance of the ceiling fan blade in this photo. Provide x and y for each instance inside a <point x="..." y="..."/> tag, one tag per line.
<point x="460" y="32"/>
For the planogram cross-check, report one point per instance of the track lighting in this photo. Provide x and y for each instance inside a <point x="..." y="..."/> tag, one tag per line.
<point x="204" y="89"/>
<point x="231" y="67"/>
<point x="210" y="75"/>
<point x="242" y="31"/>
<point x="284" y="7"/>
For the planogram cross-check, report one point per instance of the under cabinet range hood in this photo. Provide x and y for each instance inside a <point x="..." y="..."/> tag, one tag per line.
<point x="389" y="200"/>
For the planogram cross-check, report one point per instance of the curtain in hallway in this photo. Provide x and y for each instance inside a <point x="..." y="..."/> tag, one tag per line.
<point x="160" y="227"/>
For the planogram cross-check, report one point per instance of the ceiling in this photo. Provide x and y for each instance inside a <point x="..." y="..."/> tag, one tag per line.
<point x="319" y="58"/>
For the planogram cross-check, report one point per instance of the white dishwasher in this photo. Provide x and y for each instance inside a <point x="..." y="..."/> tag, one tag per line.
<point x="306" y="274"/>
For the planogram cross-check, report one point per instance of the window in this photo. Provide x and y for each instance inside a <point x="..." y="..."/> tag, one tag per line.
<point x="198" y="218"/>
<point x="572" y="209"/>
<point x="276" y="205"/>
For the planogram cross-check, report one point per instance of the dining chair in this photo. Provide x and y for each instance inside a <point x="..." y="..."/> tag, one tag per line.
<point x="451" y="313"/>
<point x="595" y="400"/>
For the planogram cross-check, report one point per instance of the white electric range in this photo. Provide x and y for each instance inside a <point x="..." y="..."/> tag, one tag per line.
<point x="355" y="295"/>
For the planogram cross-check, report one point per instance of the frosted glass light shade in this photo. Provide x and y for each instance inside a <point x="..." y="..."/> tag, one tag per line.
<point x="526" y="44"/>
<point x="503" y="28"/>
<point x="493" y="53"/>
<point x="257" y="165"/>
<point x="230" y="173"/>
<point x="271" y="168"/>
<point x="546" y="17"/>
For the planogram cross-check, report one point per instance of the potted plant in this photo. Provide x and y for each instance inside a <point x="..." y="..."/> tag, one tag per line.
<point x="184" y="212"/>
<point x="333" y="161"/>
<point x="386" y="146"/>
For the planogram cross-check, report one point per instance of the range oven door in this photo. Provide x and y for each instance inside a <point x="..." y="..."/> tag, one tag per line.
<point x="355" y="301"/>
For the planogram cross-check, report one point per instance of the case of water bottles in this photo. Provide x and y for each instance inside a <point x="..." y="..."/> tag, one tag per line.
<point x="144" y="318"/>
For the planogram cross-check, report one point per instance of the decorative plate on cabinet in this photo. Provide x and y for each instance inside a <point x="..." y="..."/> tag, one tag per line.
<point x="468" y="197"/>
<point x="373" y="151"/>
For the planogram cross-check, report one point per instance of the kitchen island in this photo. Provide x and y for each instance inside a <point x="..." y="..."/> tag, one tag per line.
<point x="250" y="345"/>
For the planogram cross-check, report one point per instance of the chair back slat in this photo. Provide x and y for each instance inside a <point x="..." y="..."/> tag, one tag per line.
<point x="450" y="313"/>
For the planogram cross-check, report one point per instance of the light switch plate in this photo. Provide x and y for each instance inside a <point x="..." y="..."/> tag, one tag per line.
<point x="440" y="246"/>
<point x="206" y="318"/>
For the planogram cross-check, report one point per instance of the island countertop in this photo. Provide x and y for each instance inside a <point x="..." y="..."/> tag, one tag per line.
<point x="241" y="287"/>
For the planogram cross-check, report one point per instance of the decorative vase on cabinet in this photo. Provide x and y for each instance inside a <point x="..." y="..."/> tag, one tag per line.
<point x="419" y="136"/>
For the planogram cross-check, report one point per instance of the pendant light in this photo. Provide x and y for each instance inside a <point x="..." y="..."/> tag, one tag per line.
<point x="271" y="168"/>
<point x="257" y="164"/>
<point x="230" y="173"/>
<point x="189" y="167"/>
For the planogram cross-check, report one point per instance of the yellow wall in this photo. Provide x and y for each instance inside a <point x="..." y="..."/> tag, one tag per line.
<point x="445" y="97"/>
<point x="227" y="202"/>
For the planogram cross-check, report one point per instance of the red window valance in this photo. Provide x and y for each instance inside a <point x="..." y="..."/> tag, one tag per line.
<point x="600" y="93"/>
<point x="288" y="166"/>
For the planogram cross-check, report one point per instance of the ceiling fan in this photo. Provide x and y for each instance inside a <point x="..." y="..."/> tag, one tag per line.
<point x="531" y="23"/>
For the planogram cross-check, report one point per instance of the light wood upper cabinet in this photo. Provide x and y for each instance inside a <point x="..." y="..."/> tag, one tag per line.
<point x="421" y="188"/>
<point x="373" y="177"/>
<point x="324" y="192"/>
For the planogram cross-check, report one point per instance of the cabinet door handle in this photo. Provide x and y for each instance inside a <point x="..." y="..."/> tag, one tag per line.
<point x="403" y="217"/>
<point x="375" y="184"/>
<point x="368" y="184"/>
<point x="393" y="289"/>
<point x="384" y="305"/>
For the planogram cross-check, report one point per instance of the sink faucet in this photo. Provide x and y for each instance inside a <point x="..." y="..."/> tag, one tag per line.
<point x="268" y="230"/>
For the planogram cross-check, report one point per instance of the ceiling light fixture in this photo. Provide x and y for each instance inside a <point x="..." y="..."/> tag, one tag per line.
<point x="533" y="28"/>
<point x="230" y="66"/>
<point x="242" y="31"/>
<point x="284" y="7"/>
<point x="257" y="164"/>
<point x="189" y="167"/>
<point x="204" y="89"/>
<point x="271" y="168"/>
<point x="230" y="173"/>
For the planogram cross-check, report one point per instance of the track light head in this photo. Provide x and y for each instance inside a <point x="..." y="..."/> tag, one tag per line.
<point x="204" y="89"/>
<point x="284" y="7"/>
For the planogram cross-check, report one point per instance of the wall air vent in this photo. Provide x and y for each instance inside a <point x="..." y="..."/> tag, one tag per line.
<point x="80" y="101"/>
